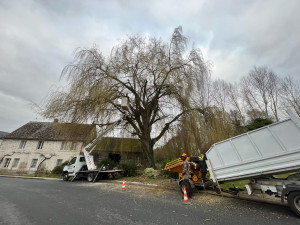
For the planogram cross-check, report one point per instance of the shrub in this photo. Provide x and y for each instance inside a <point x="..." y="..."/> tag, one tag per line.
<point x="59" y="169"/>
<point x="169" y="174"/>
<point x="150" y="173"/>
<point x="139" y="166"/>
<point x="109" y="162"/>
<point x="41" y="171"/>
<point x="129" y="167"/>
<point x="258" y="123"/>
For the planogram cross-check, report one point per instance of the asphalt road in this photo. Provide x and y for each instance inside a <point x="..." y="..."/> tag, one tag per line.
<point x="28" y="201"/>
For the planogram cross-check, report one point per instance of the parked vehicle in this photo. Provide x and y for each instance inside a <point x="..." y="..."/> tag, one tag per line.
<point x="77" y="168"/>
<point x="258" y="156"/>
<point x="84" y="166"/>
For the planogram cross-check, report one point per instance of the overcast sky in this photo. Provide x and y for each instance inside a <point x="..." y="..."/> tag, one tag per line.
<point x="38" y="38"/>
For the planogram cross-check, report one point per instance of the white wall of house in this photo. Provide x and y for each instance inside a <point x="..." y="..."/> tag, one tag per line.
<point x="21" y="159"/>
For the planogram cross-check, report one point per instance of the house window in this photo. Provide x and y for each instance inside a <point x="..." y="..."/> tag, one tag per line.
<point x="74" y="146"/>
<point x="40" y="145"/>
<point x="22" y="144"/>
<point x="6" y="162"/>
<point x="15" y="162"/>
<point x="63" y="145"/>
<point x="58" y="162"/>
<point x="33" y="163"/>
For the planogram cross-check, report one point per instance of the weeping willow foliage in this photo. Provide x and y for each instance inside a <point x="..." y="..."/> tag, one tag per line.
<point x="223" y="110"/>
<point x="159" y="79"/>
<point x="196" y="133"/>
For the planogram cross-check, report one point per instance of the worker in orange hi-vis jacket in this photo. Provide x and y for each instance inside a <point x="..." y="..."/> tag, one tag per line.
<point x="186" y="175"/>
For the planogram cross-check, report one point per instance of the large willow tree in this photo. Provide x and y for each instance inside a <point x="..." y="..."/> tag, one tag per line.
<point x="157" y="77"/>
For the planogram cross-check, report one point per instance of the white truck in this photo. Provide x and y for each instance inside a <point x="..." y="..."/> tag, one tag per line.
<point x="84" y="166"/>
<point x="77" y="168"/>
<point x="258" y="156"/>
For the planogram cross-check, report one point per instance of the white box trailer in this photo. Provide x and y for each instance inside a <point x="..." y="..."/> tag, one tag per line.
<point x="272" y="149"/>
<point x="259" y="154"/>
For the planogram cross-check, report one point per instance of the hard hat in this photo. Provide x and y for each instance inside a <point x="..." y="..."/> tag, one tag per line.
<point x="183" y="155"/>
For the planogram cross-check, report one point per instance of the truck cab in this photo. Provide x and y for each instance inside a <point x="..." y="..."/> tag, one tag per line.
<point x="76" y="164"/>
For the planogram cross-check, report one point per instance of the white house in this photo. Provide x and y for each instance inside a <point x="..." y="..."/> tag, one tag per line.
<point x="42" y="145"/>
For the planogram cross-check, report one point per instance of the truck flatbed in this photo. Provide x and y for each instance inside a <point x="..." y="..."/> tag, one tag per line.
<point x="93" y="175"/>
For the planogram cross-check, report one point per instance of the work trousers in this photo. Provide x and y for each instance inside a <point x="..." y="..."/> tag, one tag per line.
<point x="188" y="187"/>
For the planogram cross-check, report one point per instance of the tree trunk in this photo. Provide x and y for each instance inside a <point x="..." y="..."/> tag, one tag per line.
<point x="147" y="146"/>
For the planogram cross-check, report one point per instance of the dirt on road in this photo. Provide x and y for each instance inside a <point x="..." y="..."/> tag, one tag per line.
<point x="163" y="188"/>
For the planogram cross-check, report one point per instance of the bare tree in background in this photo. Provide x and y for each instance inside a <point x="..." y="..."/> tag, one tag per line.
<point x="220" y="93"/>
<point x="274" y="92"/>
<point x="254" y="90"/>
<point x="224" y="110"/>
<point x="291" y="94"/>
<point x="236" y="101"/>
<point x="156" y="76"/>
<point x="261" y="90"/>
<point x="202" y="95"/>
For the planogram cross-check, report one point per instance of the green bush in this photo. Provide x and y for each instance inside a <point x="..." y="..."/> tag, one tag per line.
<point x="169" y="174"/>
<point x="59" y="169"/>
<point x="129" y="167"/>
<point x="109" y="162"/>
<point x="139" y="166"/>
<point x="258" y="123"/>
<point x="41" y="171"/>
<point x="150" y="173"/>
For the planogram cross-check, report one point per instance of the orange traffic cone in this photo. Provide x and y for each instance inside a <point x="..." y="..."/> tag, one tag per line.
<point x="123" y="186"/>
<point x="185" y="197"/>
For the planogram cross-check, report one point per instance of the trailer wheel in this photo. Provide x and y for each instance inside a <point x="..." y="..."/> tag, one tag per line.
<point x="294" y="201"/>
<point x="90" y="177"/>
<point x="66" y="176"/>
<point x="182" y="186"/>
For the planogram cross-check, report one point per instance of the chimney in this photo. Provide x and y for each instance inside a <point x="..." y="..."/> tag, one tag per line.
<point x="55" y="121"/>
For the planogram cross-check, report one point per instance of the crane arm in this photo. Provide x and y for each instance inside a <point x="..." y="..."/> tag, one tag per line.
<point x="91" y="146"/>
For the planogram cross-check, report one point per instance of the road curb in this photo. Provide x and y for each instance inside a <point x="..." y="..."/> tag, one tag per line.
<point x="103" y="181"/>
<point x="37" y="178"/>
<point x="130" y="182"/>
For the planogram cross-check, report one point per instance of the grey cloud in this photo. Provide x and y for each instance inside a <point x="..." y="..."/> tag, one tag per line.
<point x="14" y="113"/>
<point x="38" y="38"/>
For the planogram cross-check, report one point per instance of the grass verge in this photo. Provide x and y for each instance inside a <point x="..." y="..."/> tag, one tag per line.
<point x="238" y="184"/>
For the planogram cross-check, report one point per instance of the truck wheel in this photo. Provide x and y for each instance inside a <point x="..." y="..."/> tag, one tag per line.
<point x="294" y="201"/>
<point x="90" y="177"/>
<point x="66" y="176"/>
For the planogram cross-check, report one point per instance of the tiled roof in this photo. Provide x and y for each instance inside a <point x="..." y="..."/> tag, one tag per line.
<point x="53" y="131"/>
<point x="113" y="144"/>
<point x="2" y="134"/>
